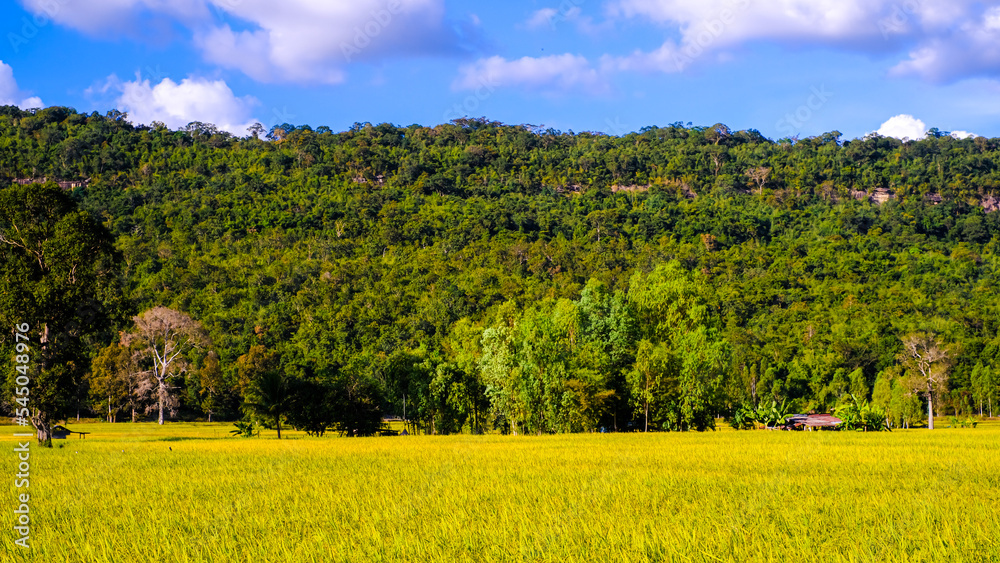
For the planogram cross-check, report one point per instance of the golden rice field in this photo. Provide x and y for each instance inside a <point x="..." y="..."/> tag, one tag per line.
<point x="188" y="492"/>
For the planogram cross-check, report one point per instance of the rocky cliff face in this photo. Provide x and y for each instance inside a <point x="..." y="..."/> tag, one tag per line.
<point x="990" y="203"/>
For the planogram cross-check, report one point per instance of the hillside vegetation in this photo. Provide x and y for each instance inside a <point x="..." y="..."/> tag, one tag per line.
<point x="496" y="276"/>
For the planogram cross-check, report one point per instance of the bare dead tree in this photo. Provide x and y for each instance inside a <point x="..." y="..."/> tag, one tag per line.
<point x="167" y="336"/>
<point x="928" y="361"/>
<point x="718" y="155"/>
<point x="718" y="133"/>
<point x="759" y="175"/>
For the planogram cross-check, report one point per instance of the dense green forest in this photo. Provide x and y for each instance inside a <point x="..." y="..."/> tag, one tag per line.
<point x="486" y="276"/>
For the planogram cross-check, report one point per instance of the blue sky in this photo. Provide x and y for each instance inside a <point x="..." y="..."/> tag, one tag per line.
<point x="784" y="67"/>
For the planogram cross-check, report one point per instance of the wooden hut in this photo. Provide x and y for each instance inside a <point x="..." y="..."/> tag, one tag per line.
<point x="811" y="421"/>
<point x="61" y="432"/>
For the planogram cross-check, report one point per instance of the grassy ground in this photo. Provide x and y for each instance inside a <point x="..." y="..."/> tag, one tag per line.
<point x="188" y="492"/>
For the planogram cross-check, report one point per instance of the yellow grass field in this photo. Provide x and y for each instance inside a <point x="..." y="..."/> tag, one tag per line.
<point x="189" y="492"/>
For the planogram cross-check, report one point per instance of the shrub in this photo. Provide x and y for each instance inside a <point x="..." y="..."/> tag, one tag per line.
<point x="860" y="415"/>
<point x="245" y="429"/>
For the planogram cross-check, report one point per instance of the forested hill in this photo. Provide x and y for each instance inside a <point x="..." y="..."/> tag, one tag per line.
<point x="534" y="279"/>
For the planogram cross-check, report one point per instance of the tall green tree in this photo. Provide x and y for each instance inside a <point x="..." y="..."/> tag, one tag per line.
<point x="984" y="387"/>
<point x="212" y="385"/>
<point x="61" y="277"/>
<point x="117" y="378"/>
<point x="673" y="307"/>
<point x="270" y="396"/>
<point x="647" y="378"/>
<point x="266" y="389"/>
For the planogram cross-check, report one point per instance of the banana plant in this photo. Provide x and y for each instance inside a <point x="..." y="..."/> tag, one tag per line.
<point x="246" y="429"/>
<point x="747" y="417"/>
<point x="862" y="416"/>
<point x="770" y="416"/>
<point x="742" y="418"/>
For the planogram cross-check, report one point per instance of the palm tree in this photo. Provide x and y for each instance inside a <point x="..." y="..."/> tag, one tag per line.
<point x="270" y="396"/>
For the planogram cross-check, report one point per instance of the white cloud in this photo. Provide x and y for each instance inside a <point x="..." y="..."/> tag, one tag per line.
<point x="176" y="105"/>
<point x="550" y="18"/>
<point x="541" y="18"/>
<point x="991" y="19"/>
<point x="903" y="126"/>
<point x="668" y="58"/>
<point x="970" y="49"/>
<point x="736" y="21"/>
<point x="812" y="20"/>
<point x="125" y="17"/>
<point x="306" y="41"/>
<point x="552" y="74"/>
<point x="946" y="39"/>
<point x="710" y="27"/>
<point x="11" y="95"/>
<point x="312" y="40"/>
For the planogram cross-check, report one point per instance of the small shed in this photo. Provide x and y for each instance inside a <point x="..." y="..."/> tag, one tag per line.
<point x="810" y="421"/>
<point x="61" y="432"/>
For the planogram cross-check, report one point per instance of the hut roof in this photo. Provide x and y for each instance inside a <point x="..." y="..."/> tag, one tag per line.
<point x="813" y="420"/>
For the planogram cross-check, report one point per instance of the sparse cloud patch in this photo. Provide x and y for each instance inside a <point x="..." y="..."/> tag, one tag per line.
<point x="553" y="74"/>
<point x="11" y="94"/>
<point x="970" y="49"/>
<point x="304" y="41"/>
<point x="129" y="18"/>
<point x="942" y="40"/>
<point x="541" y="19"/>
<point x="568" y="11"/>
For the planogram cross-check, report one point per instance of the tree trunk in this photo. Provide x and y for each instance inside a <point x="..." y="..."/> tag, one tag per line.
<point x="930" y="412"/>
<point x="163" y="390"/>
<point x="647" y="405"/>
<point x="41" y="420"/>
<point x="43" y="428"/>
<point x="277" y="423"/>
<point x="45" y="436"/>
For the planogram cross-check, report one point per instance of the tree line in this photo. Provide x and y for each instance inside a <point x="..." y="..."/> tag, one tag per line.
<point x="489" y="276"/>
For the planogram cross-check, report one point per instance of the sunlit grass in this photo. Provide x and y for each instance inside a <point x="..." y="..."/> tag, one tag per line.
<point x="188" y="492"/>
